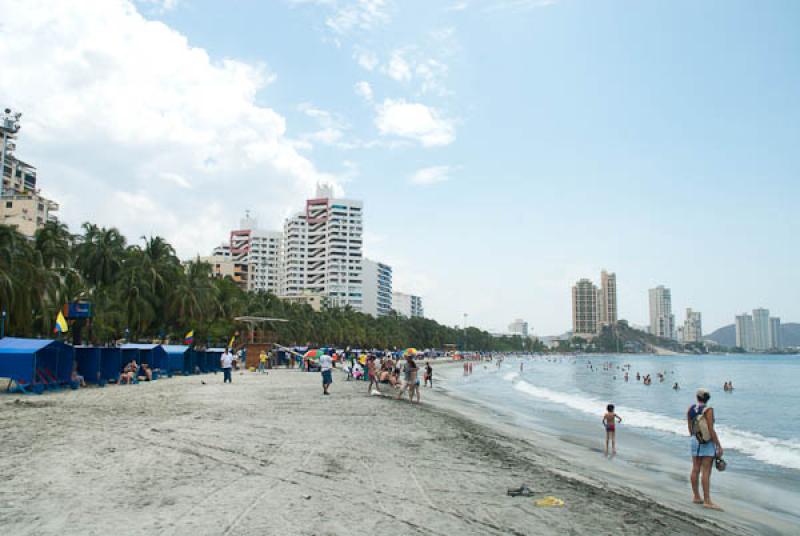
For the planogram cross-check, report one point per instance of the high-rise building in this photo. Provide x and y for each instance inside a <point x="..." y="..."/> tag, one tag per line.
<point x="662" y="321"/>
<point x="607" y="301"/>
<point x="377" y="278"/>
<point x="21" y="204"/>
<point x="584" y="308"/>
<point x="518" y="327"/>
<point x="693" y="326"/>
<point x="323" y="251"/>
<point x="407" y="305"/>
<point x="744" y="331"/>
<point x="255" y="254"/>
<point x="775" y="339"/>
<point x="761" y="338"/>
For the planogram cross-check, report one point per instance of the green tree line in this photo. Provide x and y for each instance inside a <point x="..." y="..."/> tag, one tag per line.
<point x="143" y="292"/>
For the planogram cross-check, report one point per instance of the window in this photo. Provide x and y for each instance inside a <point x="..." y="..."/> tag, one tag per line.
<point x="9" y="204"/>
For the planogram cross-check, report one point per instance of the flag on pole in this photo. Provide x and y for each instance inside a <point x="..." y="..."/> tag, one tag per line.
<point x="233" y="339"/>
<point x="61" y="324"/>
<point x="189" y="338"/>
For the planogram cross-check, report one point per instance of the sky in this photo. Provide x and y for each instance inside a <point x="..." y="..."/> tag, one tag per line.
<point x="503" y="149"/>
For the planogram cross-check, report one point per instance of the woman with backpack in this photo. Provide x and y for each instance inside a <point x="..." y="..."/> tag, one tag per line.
<point x="705" y="447"/>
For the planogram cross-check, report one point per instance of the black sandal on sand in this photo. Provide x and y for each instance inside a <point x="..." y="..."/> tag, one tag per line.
<point x="522" y="491"/>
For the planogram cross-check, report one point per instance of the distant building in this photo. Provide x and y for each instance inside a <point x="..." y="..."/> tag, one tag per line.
<point x="744" y="332"/>
<point x="407" y="305"/>
<point x="761" y="336"/>
<point x="679" y="334"/>
<point x="221" y="266"/>
<point x="662" y="321"/>
<point x="323" y="251"/>
<point x="21" y="204"/>
<point x="518" y="327"/>
<point x="377" y="281"/>
<point x="775" y="339"/>
<point x="317" y="302"/>
<point x="693" y="326"/>
<point x="584" y="309"/>
<point x="607" y="300"/>
<point x="26" y="212"/>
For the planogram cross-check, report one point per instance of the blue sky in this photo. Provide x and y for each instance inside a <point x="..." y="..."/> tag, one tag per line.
<point x="503" y="149"/>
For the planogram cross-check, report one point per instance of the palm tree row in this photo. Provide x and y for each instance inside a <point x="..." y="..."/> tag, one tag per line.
<point x="143" y="292"/>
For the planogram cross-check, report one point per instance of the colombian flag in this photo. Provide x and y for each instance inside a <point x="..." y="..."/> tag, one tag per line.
<point x="189" y="338"/>
<point x="61" y="324"/>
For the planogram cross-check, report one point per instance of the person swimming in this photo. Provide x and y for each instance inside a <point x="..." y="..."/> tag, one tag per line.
<point x="676" y="386"/>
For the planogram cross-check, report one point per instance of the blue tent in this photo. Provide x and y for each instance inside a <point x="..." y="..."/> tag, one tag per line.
<point x="89" y="364"/>
<point x="34" y="364"/>
<point x="179" y="358"/>
<point x="213" y="356"/>
<point x="111" y="364"/>
<point x="152" y="355"/>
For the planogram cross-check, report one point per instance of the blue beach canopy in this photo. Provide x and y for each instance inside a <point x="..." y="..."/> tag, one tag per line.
<point x="178" y="357"/>
<point x="29" y="361"/>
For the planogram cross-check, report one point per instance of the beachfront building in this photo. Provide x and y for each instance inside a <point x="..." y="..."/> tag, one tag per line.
<point x="518" y="327"/>
<point x="775" y="340"/>
<point x="317" y="302"/>
<point x="744" y="331"/>
<point x="607" y="300"/>
<point x="377" y="278"/>
<point x="21" y="205"/>
<point x="662" y="321"/>
<point x="322" y="251"/>
<point x="761" y="337"/>
<point x="407" y="305"/>
<point x="221" y="266"/>
<point x="585" y="296"/>
<point x="693" y="326"/>
<point x="255" y="256"/>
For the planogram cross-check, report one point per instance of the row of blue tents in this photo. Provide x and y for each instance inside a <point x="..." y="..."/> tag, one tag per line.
<point x="33" y="365"/>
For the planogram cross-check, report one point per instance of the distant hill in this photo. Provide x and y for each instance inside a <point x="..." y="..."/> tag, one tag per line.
<point x="726" y="335"/>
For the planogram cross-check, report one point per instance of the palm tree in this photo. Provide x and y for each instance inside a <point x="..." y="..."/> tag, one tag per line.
<point x="54" y="243"/>
<point x="99" y="254"/>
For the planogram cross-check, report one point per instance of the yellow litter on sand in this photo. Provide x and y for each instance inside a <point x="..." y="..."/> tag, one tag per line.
<point x="549" y="501"/>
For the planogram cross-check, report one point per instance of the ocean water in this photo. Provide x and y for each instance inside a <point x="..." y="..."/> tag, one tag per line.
<point x="758" y="423"/>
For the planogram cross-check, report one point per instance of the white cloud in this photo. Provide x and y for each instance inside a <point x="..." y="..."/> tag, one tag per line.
<point x="398" y="68"/>
<point x="431" y="175"/>
<point x="124" y="110"/>
<point x="364" y="90"/>
<point x="347" y="16"/>
<point x="367" y="60"/>
<point x="414" y="121"/>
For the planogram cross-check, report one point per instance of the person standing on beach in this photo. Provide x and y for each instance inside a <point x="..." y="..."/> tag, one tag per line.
<point x="705" y="447"/>
<point x="325" y="366"/>
<point x="428" y="374"/>
<point x="372" y="375"/>
<point x="262" y="362"/>
<point x="226" y="362"/>
<point x="610" y="420"/>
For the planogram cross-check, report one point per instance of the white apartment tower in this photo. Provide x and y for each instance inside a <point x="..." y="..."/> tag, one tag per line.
<point x="377" y="293"/>
<point x="693" y="326"/>
<point x="518" y="327"/>
<point x="761" y="338"/>
<point x="584" y="308"/>
<point x="322" y="251"/>
<point x="256" y="257"/>
<point x="607" y="299"/>
<point x="407" y="305"/>
<point x="775" y="341"/>
<point x="662" y="321"/>
<point x="744" y="331"/>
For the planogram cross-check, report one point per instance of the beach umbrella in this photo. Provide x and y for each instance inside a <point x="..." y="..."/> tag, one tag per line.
<point x="313" y="354"/>
<point x="409" y="351"/>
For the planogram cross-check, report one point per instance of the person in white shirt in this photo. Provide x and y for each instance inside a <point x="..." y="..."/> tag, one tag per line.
<point x="325" y="366"/>
<point x="226" y="362"/>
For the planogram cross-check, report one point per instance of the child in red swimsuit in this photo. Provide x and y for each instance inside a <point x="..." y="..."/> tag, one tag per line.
<point x="610" y="420"/>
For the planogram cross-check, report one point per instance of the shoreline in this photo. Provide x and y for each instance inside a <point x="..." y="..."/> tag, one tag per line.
<point x="269" y="455"/>
<point x="639" y="469"/>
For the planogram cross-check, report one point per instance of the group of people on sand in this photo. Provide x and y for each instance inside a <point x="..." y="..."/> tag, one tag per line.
<point x="705" y="447"/>
<point x="467" y="368"/>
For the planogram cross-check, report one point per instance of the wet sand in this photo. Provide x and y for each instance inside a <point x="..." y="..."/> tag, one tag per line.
<point x="269" y="454"/>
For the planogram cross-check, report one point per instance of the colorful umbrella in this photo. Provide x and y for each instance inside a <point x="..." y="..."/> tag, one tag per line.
<point x="313" y="354"/>
<point x="409" y="351"/>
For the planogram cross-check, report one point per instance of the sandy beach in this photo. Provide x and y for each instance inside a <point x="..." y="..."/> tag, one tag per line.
<point x="269" y="454"/>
